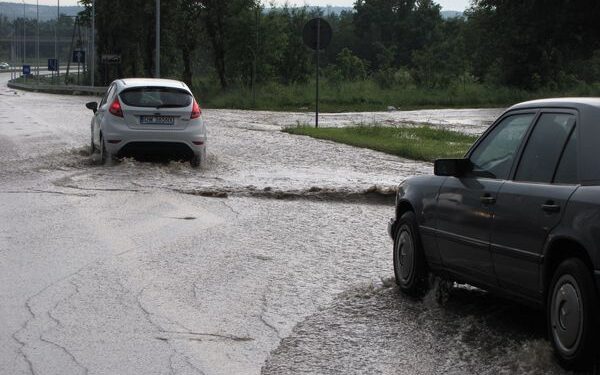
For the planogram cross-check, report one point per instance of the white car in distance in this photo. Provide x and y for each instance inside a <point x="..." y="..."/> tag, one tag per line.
<point x="148" y="117"/>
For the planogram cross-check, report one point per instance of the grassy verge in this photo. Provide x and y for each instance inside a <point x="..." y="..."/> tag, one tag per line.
<point x="368" y="96"/>
<point x="418" y="143"/>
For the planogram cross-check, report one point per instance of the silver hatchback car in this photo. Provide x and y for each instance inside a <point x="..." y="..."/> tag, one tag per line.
<point x="144" y="116"/>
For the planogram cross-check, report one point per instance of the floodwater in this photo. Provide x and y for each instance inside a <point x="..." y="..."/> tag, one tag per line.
<point x="271" y="258"/>
<point x="375" y="329"/>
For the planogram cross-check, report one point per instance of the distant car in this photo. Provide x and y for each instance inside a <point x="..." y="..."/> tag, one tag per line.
<point x="148" y="117"/>
<point x="4" y="66"/>
<point x="519" y="215"/>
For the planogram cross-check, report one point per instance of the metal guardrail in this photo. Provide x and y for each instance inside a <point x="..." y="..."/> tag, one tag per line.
<point x="57" y="89"/>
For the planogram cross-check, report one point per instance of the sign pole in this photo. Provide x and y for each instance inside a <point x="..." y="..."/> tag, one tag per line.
<point x="316" y="35"/>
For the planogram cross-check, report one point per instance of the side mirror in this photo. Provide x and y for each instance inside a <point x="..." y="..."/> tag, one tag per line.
<point x="452" y="167"/>
<point x="93" y="106"/>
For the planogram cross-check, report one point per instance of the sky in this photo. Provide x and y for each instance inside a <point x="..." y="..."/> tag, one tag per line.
<point x="459" y="5"/>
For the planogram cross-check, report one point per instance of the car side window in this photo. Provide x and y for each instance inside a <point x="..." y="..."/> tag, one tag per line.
<point x="494" y="156"/>
<point x="566" y="172"/>
<point x="107" y="95"/>
<point x="544" y="147"/>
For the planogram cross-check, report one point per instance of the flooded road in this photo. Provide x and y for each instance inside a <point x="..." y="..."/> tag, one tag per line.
<point x="270" y="258"/>
<point x="373" y="329"/>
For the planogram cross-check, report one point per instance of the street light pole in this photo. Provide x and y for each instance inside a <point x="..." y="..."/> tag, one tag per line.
<point x="93" y="51"/>
<point x="15" y="57"/>
<point x="157" y="67"/>
<point x="37" y="41"/>
<point x="56" y="38"/>
<point x="24" y="47"/>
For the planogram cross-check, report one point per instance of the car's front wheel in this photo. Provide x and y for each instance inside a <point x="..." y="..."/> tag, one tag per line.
<point x="410" y="267"/>
<point x="572" y="309"/>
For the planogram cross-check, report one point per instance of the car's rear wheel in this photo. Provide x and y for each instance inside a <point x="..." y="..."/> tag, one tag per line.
<point x="105" y="156"/>
<point x="92" y="145"/>
<point x="410" y="268"/>
<point x="196" y="160"/>
<point x="572" y="309"/>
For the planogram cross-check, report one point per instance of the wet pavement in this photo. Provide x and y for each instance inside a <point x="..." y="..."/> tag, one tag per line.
<point x="273" y="257"/>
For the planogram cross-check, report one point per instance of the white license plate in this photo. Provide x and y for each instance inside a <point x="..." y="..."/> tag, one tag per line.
<point x="157" y="120"/>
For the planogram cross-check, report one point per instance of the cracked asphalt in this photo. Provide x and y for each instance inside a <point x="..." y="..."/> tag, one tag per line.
<point x="273" y="258"/>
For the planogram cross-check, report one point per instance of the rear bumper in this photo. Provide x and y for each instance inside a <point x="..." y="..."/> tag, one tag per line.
<point x="150" y="150"/>
<point x="165" y="139"/>
<point x="190" y="136"/>
<point x="391" y="228"/>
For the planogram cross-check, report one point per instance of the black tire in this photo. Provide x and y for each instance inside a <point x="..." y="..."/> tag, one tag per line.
<point x="105" y="156"/>
<point x="410" y="267"/>
<point x="92" y="145"/>
<point x="195" y="161"/>
<point x="572" y="312"/>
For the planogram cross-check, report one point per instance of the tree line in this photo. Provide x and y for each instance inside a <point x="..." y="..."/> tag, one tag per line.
<point x="528" y="44"/>
<point x="12" y="31"/>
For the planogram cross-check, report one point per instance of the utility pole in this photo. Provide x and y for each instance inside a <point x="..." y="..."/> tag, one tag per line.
<point x="93" y="51"/>
<point x="157" y="62"/>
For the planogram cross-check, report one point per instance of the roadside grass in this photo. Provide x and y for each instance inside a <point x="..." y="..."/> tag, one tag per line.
<point x="418" y="143"/>
<point x="367" y="95"/>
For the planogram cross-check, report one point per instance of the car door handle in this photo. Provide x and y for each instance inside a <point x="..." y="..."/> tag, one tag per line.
<point x="551" y="207"/>
<point x="487" y="199"/>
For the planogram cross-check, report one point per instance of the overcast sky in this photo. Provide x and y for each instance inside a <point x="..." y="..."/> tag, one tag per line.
<point x="446" y="4"/>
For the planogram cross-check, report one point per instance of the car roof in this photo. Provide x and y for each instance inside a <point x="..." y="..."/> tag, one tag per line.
<point x="576" y="103"/>
<point x="137" y="82"/>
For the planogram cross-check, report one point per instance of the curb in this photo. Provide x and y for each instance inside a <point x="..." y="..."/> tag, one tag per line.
<point x="51" y="89"/>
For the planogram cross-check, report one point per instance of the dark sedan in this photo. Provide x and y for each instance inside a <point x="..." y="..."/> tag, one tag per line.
<point x="519" y="216"/>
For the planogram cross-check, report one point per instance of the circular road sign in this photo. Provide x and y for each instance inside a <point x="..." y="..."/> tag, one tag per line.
<point x="314" y="27"/>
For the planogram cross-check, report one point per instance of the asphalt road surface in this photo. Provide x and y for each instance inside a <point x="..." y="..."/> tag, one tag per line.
<point x="272" y="258"/>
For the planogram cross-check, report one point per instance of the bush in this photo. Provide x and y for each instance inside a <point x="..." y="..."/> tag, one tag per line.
<point x="350" y="67"/>
<point x="385" y="78"/>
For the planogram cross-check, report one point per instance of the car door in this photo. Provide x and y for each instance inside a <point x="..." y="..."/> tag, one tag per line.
<point x="529" y="206"/>
<point x="465" y="205"/>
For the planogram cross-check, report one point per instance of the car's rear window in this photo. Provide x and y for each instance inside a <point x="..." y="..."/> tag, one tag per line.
<point x="158" y="97"/>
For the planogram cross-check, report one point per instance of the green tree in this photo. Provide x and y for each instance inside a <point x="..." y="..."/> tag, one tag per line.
<point x="531" y="42"/>
<point x="350" y="66"/>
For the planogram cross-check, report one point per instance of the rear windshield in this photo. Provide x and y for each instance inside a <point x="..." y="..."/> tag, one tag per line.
<point x="157" y="97"/>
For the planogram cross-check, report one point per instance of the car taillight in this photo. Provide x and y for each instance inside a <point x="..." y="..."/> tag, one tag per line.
<point x="196" y="111"/>
<point x="115" y="108"/>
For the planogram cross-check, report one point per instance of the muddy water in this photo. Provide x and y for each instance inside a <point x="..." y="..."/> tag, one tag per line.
<point x="374" y="329"/>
